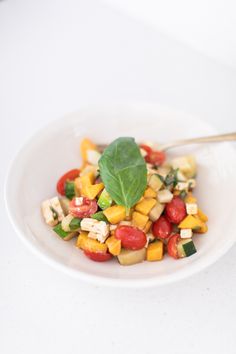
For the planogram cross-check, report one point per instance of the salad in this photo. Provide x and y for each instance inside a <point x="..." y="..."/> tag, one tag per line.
<point x="128" y="202"/>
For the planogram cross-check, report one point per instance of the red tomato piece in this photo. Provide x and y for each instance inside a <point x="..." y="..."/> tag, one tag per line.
<point x="131" y="237"/>
<point x="70" y="175"/>
<point x="98" y="256"/>
<point x="176" y="210"/>
<point x="172" y="246"/>
<point x="146" y="148"/>
<point x="162" y="228"/>
<point x="156" y="157"/>
<point x="82" y="207"/>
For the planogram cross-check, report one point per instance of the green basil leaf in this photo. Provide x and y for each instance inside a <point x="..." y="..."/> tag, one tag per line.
<point x="70" y="189"/>
<point x="123" y="171"/>
<point x="74" y="224"/>
<point x="99" y="216"/>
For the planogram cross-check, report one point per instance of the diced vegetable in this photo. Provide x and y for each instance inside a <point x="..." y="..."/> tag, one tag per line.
<point x="114" y="245"/>
<point x="89" y="244"/>
<point x="164" y="196"/>
<point x="185" y="248"/>
<point x="68" y="176"/>
<point x="139" y="220"/>
<point x="155" y="182"/>
<point x="147" y="227"/>
<point x="104" y="200"/>
<point x="156" y="211"/>
<point x="82" y="207"/>
<point x="131" y="237"/>
<point x="176" y="210"/>
<point x="190" y="198"/>
<point x="98" y="229"/>
<point x="115" y="214"/>
<point x="65" y="224"/>
<point x="162" y="228"/>
<point x="150" y="193"/>
<point x="155" y="251"/>
<point x="98" y="256"/>
<point x="82" y="182"/>
<point x="75" y="224"/>
<point x="190" y="222"/>
<point x="202" y="216"/>
<point x="65" y="202"/>
<point x="70" y="189"/>
<point x="145" y="205"/>
<point x="99" y="216"/>
<point x="66" y="236"/>
<point x="129" y="257"/>
<point x="91" y="191"/>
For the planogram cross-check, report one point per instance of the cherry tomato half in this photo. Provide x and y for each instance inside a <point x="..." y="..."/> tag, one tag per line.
<point x="156" y="157"/>
<point x="162" y="228"/>
<point x="70" y="175"/>
<point x="98" y="256"/>
<point x="172" y="246"/>
<point x="131" y="237"/>
<point x="176" y="210"/>
<point x="82" y="207"/>
<point x="146" y="148"/>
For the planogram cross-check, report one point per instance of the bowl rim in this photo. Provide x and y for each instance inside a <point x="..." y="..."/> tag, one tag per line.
<point x="92" y="278"/>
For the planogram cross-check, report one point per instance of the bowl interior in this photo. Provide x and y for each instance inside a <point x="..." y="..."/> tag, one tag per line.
<point x="55" y="149"/>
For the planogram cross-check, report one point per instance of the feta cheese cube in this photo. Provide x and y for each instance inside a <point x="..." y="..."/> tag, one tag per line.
<point x="78" y="201"/>
<point x="56" y="205"/>
<point x="113" y="227"/>
<point x="48" y="213"/>
<point x="92" y="235"/>
<point x="164" y="196"/>
<point x="191" y="208"/>
<point x="186" y="233"/>
<point x="100" y="228"/>
<point x="181" y="186"/>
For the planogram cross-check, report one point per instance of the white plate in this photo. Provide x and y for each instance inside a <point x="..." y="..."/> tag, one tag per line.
<point x="55" y="149"/>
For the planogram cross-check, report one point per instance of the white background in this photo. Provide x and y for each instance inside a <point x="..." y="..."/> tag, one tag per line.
<point x="54" y="57"/>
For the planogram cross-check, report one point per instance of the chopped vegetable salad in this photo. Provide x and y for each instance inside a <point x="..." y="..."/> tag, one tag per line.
<point x="128" y="202"/>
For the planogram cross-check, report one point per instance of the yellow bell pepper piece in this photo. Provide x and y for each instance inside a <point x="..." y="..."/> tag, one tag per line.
<point x="190" y="222"/>
<point x="114" y="245"/>
<point x="202" y="216"/>
<point x="115" y="214"/>
<point x="85" y="145"/>
<point x="89" y="244"/>
<point x="190" y="198"/>
<point x="139" y="220"/>
<point x="147" y="226"/>
<point x="155" y="251"/>
<point x="145" y="205"/>
<point x="150" y="193"/>
<point x="92" y="191"/>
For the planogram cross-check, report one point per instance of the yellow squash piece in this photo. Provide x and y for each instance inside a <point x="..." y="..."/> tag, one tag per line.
<point x="190" y="198"/>
<point x="82" y="182"/>
<point x="145" y="205"/>
<point x="190" y="222"/>
<point x="114" y="245"/>
<point x="155" y="251"/>
<point x="202" y="216"/>
<point x="150" y="193"/>
<point x="115" y="214"/>
<point x="89" y="244"/>
<point x="139" y="220"/>
<point x="91" y="191"/>
<point x="85" y="145"/>
<point x="147" y="226"/>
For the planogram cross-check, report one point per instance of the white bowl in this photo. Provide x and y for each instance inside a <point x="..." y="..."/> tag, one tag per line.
<point x="55" y="149"/>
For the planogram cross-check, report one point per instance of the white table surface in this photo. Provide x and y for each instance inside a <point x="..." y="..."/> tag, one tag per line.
<point x="54" y="57"/>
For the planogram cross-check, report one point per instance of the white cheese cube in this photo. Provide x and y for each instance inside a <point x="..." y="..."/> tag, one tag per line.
<point x="93" y="157"/>
<point x="191" y="208"/>
<point x="164" y="196"/>
<point x="56" y="205"/>
<point x="100" y="228"/>
<point x="186" y="233"/>
<point x="48" y="213"/>
<point x="181" y="186"/>
<point x="78" y="201"/>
